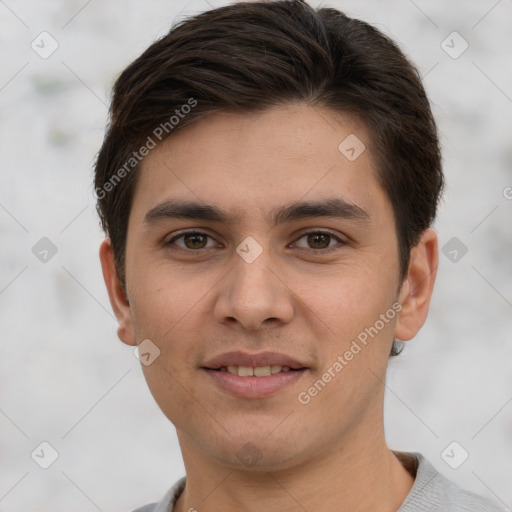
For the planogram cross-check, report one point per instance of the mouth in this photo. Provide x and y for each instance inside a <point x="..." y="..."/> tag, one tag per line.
<point x="253" y="375"/>
<point x="258" y="371"/>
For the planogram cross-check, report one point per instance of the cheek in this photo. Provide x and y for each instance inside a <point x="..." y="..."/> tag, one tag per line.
<point x="170" y="309"/>
<point x="166" y="313"/>
<point x="360" y="318"/>
<point x="346" y="301"/>
<point x="160" y="296"/>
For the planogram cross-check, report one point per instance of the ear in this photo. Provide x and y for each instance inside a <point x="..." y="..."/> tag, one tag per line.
<point x="116" y="293"/>
<point x="417" y="288"/>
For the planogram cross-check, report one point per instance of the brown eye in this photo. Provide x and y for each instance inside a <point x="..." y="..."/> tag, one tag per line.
<point x="318" y="240"/>
<point x="193" y="240"/>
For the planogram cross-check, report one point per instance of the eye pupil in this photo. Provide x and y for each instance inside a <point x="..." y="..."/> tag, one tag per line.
<point x="198" y="240"/>
<point x="318" y="240"/>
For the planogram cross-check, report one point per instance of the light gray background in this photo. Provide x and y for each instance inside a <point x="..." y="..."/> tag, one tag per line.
<point x="65" y="377"/>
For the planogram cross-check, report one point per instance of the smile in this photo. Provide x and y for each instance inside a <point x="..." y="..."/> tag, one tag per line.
<point x="259" y="371"/>
<point x="252" y="383"/>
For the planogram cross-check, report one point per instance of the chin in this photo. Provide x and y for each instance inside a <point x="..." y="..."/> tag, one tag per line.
<point x="259" y="454"/>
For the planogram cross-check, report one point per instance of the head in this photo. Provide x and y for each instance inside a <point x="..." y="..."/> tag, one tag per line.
<point x="297" y="149"/>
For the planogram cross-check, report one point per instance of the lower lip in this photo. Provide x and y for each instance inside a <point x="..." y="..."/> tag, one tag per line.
<point x="254" y="387"/>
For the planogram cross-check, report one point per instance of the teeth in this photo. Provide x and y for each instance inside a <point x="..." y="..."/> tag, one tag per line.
<point x="259" y="371"/>
<point x="245" y="371"/>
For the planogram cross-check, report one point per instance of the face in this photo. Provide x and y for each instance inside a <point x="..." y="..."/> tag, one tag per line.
<point x="263" y="264"/>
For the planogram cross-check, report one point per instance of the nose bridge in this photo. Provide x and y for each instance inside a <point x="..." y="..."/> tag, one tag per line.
<point x="252" y="293"/>
<point x="253" y="281"/>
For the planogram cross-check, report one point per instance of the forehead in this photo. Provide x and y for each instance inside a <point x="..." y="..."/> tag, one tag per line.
<point x="248" y="162"/>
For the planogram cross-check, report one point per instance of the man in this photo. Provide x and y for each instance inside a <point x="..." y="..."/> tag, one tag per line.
<point x="267" y="183"/>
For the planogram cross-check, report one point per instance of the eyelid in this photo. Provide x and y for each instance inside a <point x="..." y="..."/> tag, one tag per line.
<point x="321" y="231"/>
<point x="175" y="236"/>
<point x="309" y="231"/>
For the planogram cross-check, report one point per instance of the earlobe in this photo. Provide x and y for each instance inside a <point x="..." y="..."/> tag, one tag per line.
<point x="116" y="293"/>
<point x="418" y="286"/>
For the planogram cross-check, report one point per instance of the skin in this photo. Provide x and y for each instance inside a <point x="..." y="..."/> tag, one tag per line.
<point x="300" y="297"/>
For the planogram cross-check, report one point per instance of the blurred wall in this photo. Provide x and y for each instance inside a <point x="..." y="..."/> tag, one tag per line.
<point x="65" y="378"/>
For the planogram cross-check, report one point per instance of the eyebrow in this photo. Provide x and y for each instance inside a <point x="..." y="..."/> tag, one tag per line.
<point x="180" y="209"/>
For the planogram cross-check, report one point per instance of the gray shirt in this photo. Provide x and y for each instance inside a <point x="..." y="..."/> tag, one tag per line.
<point x="431" y="492"/>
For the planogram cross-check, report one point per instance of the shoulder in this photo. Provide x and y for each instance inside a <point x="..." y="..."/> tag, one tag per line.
<point x="432" y="491"/>
<point x="146" y="508"/>
<point x="166" y="504"/>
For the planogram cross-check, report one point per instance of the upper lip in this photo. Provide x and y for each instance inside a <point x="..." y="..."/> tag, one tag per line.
<point x="238" y="358"/>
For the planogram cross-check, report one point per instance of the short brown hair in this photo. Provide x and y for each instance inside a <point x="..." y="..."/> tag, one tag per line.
<point x="249" y="56"/>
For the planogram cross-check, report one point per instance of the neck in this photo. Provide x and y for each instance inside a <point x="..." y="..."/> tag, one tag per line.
<point x="361" y="475"/>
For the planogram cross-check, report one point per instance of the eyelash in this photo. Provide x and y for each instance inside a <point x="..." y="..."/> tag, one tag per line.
<point x="313" y="232"/>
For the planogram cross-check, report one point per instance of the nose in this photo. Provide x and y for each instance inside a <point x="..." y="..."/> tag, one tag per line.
<point x="254" y="295"/>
